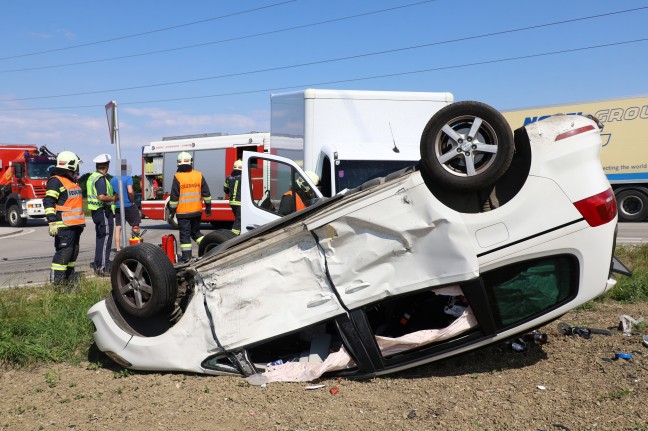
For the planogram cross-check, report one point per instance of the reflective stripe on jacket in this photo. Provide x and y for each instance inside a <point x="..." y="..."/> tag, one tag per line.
<point x="190" y="198"/>
<point x="93" y="198"/>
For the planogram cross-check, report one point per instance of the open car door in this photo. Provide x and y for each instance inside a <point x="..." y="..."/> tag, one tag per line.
<point x="272" y="187"/>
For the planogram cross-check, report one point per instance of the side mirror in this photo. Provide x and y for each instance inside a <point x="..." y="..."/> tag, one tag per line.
<point x="19" y="170"/>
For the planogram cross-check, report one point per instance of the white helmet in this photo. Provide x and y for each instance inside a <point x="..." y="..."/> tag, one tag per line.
<point x="304" y="185"/>
<point x="238" y="165"/>
<point x="102" y="158"/>
<point x="67" y="160"/>
<point x="313" y="177"/>
<point x="184" y="158"/>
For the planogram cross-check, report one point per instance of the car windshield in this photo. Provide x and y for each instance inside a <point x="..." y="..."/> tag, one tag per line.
<point x="39" y="170"/>
<point x="352" y="173"/>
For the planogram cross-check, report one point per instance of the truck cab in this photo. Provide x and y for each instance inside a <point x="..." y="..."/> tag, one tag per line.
<point x="24" y="172"/>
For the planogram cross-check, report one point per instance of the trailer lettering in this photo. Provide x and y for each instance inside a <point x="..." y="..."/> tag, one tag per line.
<point x="619" y="114"/>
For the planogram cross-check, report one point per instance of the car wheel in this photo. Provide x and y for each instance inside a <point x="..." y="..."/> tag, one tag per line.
<point x="213" y="240"/>
<point x="633" y="205"/>
<point x="467" y="146"/>
<point x="173" y="221"/>
<point x="13" y="217"/>
<point x="143" y="280"/>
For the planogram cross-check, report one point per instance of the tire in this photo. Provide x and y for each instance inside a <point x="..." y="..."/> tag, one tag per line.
<point x="213" y="240"/>
<point x="14" y="217"/>
<point x="632" y="205"/>
<point x="173" y="221"/>
<point x="461" y="158"/>
<point x="143" y="280"/>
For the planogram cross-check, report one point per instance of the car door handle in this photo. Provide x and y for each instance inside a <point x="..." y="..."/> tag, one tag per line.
<point x="357" y="288"/>
<point x="323" y="299"/>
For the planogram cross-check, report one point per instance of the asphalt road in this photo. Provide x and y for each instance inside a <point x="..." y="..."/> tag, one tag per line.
<point x="25" y="257"/>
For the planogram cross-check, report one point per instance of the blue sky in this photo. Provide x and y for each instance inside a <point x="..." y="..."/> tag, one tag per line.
<point x="179" y="68"/>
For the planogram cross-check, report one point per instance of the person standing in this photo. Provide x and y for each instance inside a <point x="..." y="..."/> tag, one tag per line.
<point x="188" y="191"/>
<point x="101" y="201"/>
<point x="63" y="205"/>
<point x="131" y="212"/>
<point x="232" y="188"/>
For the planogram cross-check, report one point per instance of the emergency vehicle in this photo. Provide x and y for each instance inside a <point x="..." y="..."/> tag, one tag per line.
<point x="213" y="155"/>
<point x="24" y="170"/>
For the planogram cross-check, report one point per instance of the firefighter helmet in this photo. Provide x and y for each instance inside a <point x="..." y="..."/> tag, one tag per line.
<point x="67" y="160"/>
<point x="184" y="158"/>
<point x="304" y="185"/>
<point x="238" y="165"/>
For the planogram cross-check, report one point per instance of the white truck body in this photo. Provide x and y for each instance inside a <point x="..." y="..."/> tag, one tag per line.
<point x="349" y="137"/>
<point x="624" y="153"/>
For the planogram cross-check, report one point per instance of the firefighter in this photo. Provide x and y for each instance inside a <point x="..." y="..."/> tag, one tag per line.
<point x="63" y="204"/>
<point x="232" y="188"/>
<point x="101" y="202"/>
<point x="291" y="201"/>
<point x="188" y="191"/>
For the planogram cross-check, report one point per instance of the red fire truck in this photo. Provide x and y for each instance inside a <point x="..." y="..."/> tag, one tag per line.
<point x="24" y="170"/>
<point x="213" y="155"/>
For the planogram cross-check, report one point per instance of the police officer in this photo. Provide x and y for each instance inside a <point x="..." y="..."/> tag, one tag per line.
<point x="101" y="202"/>
<point x="188" y="191"/>
<point x="63" y="204"/>
<point x="232" y="188"/>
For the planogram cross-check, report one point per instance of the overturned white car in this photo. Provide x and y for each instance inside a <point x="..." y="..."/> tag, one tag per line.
<point x="490" y="236"/>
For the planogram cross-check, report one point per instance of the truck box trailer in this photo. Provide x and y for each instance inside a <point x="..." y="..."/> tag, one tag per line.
<point x="349" y="137"/>
<point x="624" y="152"/>
<point x="24" y="170"/>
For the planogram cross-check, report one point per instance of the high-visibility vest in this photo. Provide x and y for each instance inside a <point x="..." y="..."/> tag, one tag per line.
<point x="72" y="209"/>
<point x="93" y="198"/>
<point x="299" y="204"/>
<point x="190" y="199"/>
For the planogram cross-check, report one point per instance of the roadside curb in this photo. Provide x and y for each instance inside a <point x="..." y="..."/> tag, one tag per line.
<point x="6" y="231"/>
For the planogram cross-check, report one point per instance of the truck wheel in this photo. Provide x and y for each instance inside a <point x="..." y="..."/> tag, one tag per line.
<point x="632" y="205"/>
<point x="213" y="240"/>
<point x="173" y="221"/>
<point x="467" y="146"/>
<point x="143" y="280"/>
<point x="14" y="218"/>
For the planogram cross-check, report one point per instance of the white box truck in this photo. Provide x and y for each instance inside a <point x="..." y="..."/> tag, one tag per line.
<point x="624" y="154"/>
<point x="348" y="137"/>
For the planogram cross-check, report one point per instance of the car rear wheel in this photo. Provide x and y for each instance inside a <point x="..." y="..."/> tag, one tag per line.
<point x="213" y="240"/>
<point x="143" y="280"/>
<point x="467" y="146"/>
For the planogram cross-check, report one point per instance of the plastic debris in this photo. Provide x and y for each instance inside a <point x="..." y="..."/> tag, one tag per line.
<point x="334" y="390"/>
<point x="627" y="322"/>
<point x="313" y="387"/>
<point x="645" y="340"/>
<point x="626" y="356"/>
<point x="542" y="388"/>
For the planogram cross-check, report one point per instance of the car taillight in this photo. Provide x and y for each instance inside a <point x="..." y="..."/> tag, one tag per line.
<point x="598" y="209"/>
<point x="574" y="132"/>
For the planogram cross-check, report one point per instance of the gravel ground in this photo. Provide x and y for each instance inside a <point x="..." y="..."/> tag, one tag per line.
<point x="570" y="383"/>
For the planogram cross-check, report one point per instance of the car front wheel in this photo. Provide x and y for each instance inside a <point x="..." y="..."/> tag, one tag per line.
<point x="143" y="280"/>
<point x="467" y="146"/>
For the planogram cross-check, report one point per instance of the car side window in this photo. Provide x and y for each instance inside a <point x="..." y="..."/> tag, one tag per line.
<point x="527" y="289"/>
<point x="280" y="187"/>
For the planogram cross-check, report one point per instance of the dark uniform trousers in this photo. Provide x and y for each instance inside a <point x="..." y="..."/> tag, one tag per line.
<point x="66" y="244"/>
<point x="103" y="219"/>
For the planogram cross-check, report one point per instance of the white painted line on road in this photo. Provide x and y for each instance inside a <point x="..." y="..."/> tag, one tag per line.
<point x="24" y="232"/>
